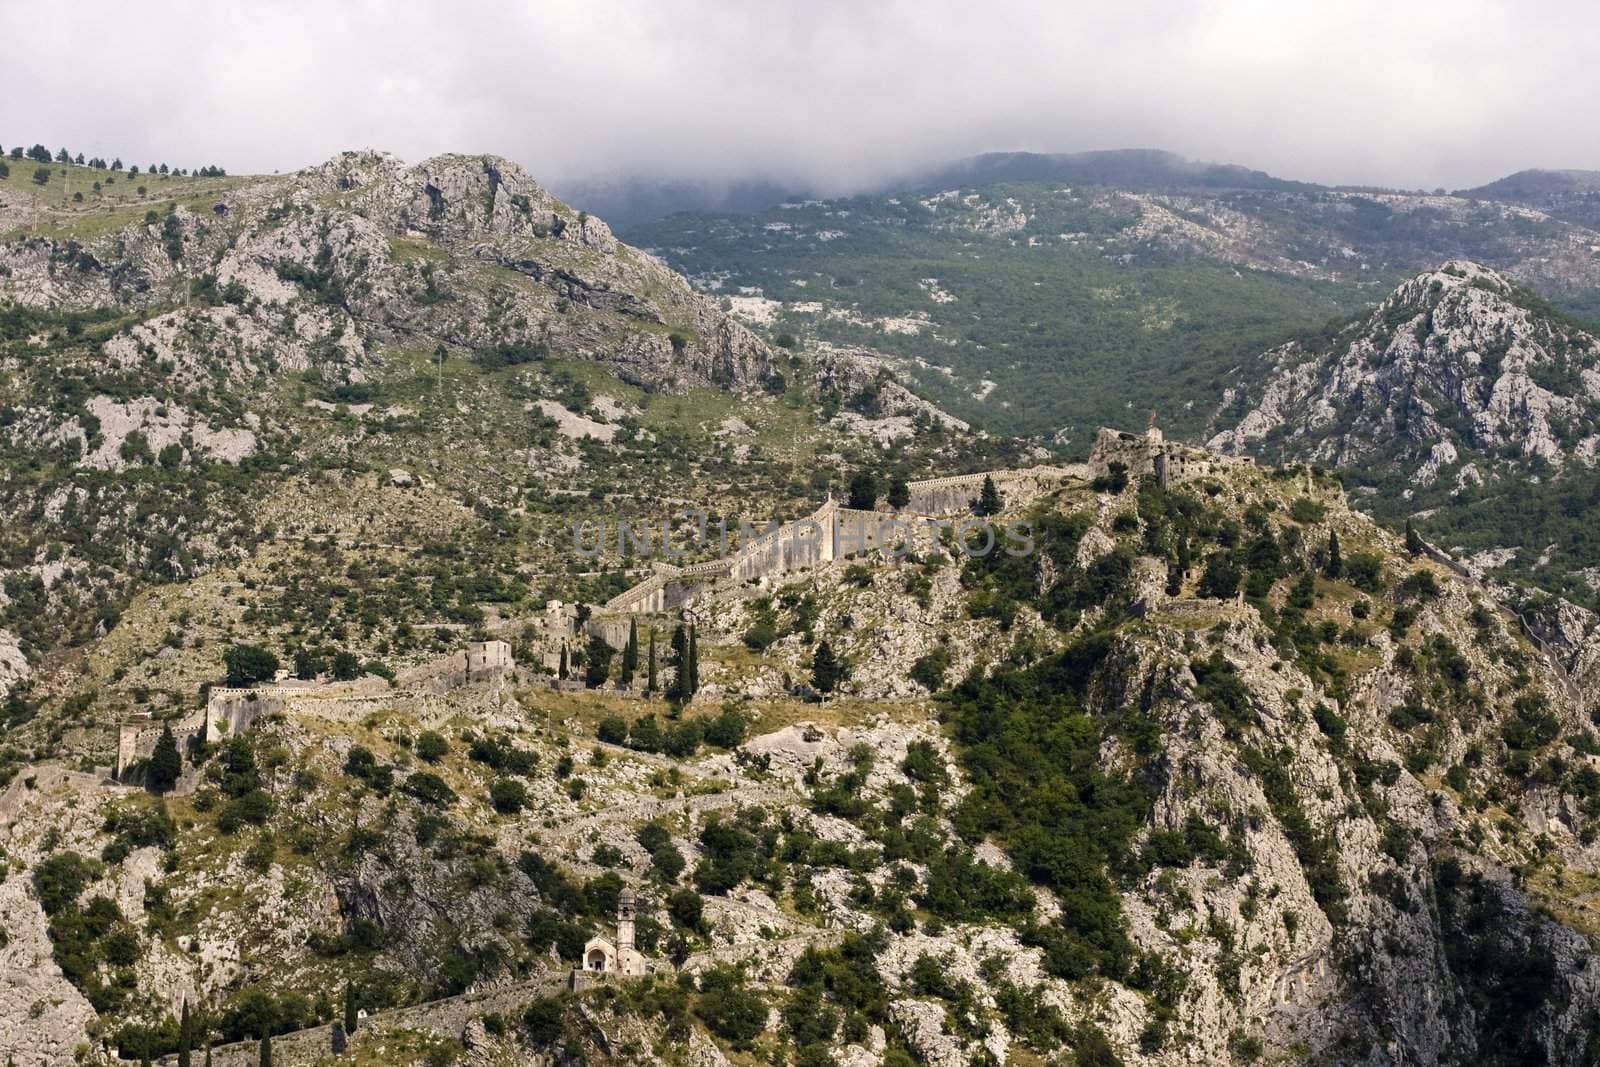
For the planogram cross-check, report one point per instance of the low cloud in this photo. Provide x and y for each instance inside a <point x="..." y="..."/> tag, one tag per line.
<point x="833" y="94"/>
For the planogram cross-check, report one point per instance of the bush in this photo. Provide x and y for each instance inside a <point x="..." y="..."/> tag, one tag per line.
<point x="613" y="730"/>
<point x="727" y="730"/>
<point x="432" y="747"/>
<point x="731" y="1010"/>
<point x="508" y="795"/>
<point x="543" y="1020"/>
<point x="1364" y="571"/>
<point x="686" y="908"/>
<point x="430" y="789"/>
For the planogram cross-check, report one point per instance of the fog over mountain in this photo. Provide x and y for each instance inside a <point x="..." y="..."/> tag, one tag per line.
<point x="827" y="97"/>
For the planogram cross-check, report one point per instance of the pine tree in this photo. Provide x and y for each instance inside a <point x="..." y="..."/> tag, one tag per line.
<point x="266" y="1052"/>
<point x="989" y="500"/>
<point x="1413" y="540"/>
<point x="350" y="1019"/>
<point x="651" y="684"/>
<point x="630" y="653"/>
<point x="1335" y="563"/>
<point x="165" y="763"/>
<point x="185" y="1036"/>
<point x="826" y="670"/>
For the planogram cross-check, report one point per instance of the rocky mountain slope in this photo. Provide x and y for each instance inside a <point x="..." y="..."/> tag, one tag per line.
<point x="1219" y="770"/>
<point x="1018" y="291"/>
<point x="1461" y="400"/>
<point x="1201" y="789"/>
<point x="198" y="367"/>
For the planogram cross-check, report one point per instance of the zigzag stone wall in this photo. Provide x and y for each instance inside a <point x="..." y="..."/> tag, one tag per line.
<point x="829" y="533"/>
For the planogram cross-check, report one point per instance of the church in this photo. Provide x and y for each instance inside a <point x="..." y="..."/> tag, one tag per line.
<point x="601" y="956"/>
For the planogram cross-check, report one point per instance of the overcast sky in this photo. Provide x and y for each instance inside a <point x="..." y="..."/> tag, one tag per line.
<point x="836" y="92"/>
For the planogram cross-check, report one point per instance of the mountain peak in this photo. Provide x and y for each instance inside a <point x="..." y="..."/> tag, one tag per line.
<point x="1454" y="361"/>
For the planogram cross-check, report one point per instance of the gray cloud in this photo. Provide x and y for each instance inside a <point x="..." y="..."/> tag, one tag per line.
<point x="829" y="92"/>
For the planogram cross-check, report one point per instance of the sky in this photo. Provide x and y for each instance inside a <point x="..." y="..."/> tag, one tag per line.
<point x="835" y="95"/>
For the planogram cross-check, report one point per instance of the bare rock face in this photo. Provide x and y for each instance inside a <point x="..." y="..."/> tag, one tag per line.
<point x="14" y="666"/>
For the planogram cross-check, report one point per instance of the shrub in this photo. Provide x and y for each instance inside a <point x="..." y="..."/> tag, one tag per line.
<point x="686" y="908"/>
<point x="508" y="795"/>
<point x="613" y="730"/>
<point x="543" y="1020"/>
<point x="430" y="789"/>
<point x="432" y="747"/>
<point x="731" y="1010"/>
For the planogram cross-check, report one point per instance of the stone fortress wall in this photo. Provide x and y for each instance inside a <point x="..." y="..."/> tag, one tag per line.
<point x="231" y="711"/>
<point x="829" y="533"/>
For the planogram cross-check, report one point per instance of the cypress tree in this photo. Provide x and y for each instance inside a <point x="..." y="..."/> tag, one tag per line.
<point x="266" y="1052"/>
<point x="165" y="763"/>
<point x="208" y="1056"/>
<point x="1413" y="539"/>
<point x="1335" y="563"/>
<point x="630" y="653"/>
<point x="651" y="685"/>
<point x="694" y="665"/>
<point x="561" y="672"/>
<point x="679" y="661"/>
<point x="989" y="501"/>
<point x="350" y="1019"/>
<point x="185" y="1036"/>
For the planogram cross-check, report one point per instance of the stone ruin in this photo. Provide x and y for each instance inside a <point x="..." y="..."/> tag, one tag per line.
<point x="230" y="710"/>
<point x="1150" y="455"/>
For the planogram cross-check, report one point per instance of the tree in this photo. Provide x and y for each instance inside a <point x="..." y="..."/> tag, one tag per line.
<point x="5" y="170"/>
<point x="826" y="669"/>
<point x="651" y="685"/>
<point x="1414" y="543"/>
<point x="248" y="664"/>
<point x="350" y="1019"/>
<point x="678" y="660"/>
<point x="562" y="670"/>
<point x="1335" y="565"/>
<point x="166" y="764"/>
<point x="63" y="156"/>
<point x="630" y="653"/>
<point x="39" y="154"/>
<point x="899" y="493"/>
<point x="41" y="176"/>
<point x="989" y="499"/>
<point x="185" y="1035"/>
<point x="694" y="664"/>
<point x="863" y="491"/>
<point x="346" y="666"/>
<point x="266" y="1052"/>
<point x="597" y="662"/>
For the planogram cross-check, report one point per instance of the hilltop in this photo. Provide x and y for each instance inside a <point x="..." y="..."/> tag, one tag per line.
<point x="1463" y="401"/>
